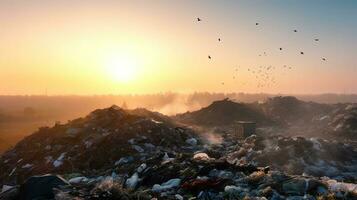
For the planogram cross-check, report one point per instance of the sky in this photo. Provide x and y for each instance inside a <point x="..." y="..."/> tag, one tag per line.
<point x="140" y="47"/>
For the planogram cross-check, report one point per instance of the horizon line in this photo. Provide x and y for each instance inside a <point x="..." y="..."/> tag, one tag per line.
<point x="176" y="93"/>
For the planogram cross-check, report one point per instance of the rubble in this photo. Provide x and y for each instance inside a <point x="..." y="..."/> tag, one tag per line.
<point x="41" y="187"/>
<point x="170" y="184"/>
<point x="59" y="161"/>
<point x="133" y="181"/>
<point x="124" y="160"/>
<point x="287" y="110"/>
<point x="173" y="163"/>
<point x="201" y="156"/>
<point x="343" y="121"/>
<point x="52" y="150"/>
<point x="77" y="180"/>
<point x="287" y="114"/>
<point x="192" y="141"/>
<point x="336" y="186"/>
<point x="298" y="156"/>
<point x="6" y="188"/>
<point x="224" y="113"/>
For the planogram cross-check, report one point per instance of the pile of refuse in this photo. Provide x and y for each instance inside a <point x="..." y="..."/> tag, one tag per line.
<point x="299" y="156"/>
<point x="225" y="113"/>
<point x="118" y="154"/>
<point x="288" y="110"/>
<point x="204" y="174"/>
<point x="343" y="120"/>
<point x="102" y="140"/>
<point x="291" y="115"/>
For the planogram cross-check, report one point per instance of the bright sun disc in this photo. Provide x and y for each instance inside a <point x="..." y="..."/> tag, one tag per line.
<point x="123" y="69"/>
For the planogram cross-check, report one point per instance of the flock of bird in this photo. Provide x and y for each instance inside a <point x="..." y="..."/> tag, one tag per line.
<point x="263" y="74"/>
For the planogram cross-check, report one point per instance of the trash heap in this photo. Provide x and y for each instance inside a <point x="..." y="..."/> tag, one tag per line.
<point x="128" y="156"/>
<point x="343" y="121"/>
<point x="288" y="110"/>
<point x="225" y="113"/>
<point x="102" y="140"/>
<point x="299" y="155"/>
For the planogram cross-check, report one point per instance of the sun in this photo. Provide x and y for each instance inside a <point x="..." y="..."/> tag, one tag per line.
<point x="122" y="68"/>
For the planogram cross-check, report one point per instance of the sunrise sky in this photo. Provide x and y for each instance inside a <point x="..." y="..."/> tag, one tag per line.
<point x="115" y="47"/>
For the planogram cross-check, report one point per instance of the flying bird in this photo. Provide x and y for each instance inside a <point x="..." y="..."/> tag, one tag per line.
<point x="302" y="53"/>
<point x="257" y="24"/>
<point x="281" y="48"/>
<point x="209" y="57"/>
<point x="199" y="19"/>
<point x="295" y="31"/>
<point x="219" y="39"/>
<point x="317" y="39"/>
<point x="324" y="59"/>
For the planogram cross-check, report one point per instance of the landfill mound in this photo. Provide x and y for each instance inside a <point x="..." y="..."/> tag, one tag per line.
<point x="152" y="115"/>
<point x="338" y="121"/>
<point x="343" y="121"/>
<point x="289" y="110"/>
<point x="99" y="141"/>
<point x="224" y="113"/>
<point x="285" y="115"/>
<point x="137" y="154"/>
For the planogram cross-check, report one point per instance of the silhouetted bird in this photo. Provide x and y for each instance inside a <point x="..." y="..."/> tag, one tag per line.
<point x="198" y="19"/>
<point x="219" y="39"/>
<point x="302" y="53"/>
<point x="295" y="30"/>
<point x="324" y="59"/>
<point x="257" y="24"/>
<point x="209" y="57"/>
<point x="281" y="48"/>
<point x="316" y="39"/>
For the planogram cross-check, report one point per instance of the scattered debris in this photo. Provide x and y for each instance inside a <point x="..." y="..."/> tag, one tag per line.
<point x="148" y="160"/>
<point x="170" y="184"/>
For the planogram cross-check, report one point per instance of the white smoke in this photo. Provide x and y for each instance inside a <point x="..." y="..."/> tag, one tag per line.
<point x="212" y="137"/>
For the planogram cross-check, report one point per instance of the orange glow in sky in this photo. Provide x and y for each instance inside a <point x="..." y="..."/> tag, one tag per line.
<point x="113" y="47"/>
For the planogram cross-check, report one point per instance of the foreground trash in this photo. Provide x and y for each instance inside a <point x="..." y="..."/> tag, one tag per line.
<point x="116" y="154"/>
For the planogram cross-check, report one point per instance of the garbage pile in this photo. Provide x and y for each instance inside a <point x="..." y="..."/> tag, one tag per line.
<point x="102" y="140"/>
<point x="188" y="176"/>
<point x="225" y="113"/>
<point x="343" y="120"/>
<point x="287" y="115"/>
<point x="299" y="156"/>
<point x="115" y="154"/>
<point x="288" y="110"/>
